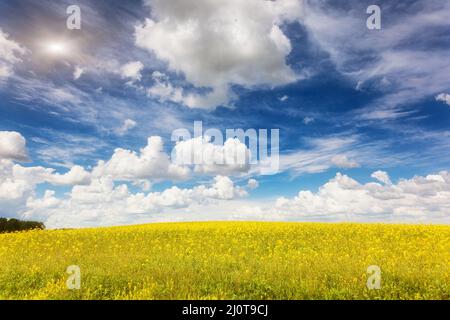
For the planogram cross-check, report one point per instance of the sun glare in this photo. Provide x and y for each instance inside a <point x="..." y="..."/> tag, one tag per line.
<point x="57" y="48"/>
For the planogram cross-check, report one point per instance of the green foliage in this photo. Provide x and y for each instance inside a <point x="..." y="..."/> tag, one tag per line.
<point x="13" y="225"/>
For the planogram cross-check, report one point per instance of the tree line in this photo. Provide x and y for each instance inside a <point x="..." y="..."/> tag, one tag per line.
<point x="12" y="225"/>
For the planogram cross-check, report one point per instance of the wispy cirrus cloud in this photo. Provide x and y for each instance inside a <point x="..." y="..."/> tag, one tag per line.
<point x="396" y="60"/>
<point x="10" y="52"/>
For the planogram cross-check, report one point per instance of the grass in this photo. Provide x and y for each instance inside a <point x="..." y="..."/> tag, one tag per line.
<point x="228" y="260"/>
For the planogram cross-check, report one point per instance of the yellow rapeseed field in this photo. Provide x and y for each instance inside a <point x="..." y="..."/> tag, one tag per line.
<point x="228" y="260"/>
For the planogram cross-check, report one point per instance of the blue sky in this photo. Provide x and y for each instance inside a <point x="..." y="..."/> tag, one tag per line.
<point x="363" y="114"/>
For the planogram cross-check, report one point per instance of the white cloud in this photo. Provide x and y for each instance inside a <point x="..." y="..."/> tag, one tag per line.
<point x="231" y="157"/>
<point x="132" y="70"/>
<point x="419" y="199"/>
<point x="389" y="59"/>
<point x="65" y="98"/>
<point x="77" y="72"/>
<point x="13" y="192"/>
<point x="343" y="198"/>
<point x="219" y="43"/>
<point x="12" y="146"/>
<point x="99" y="198"/>
<point x="381" y="176"/>
<point x="218" y="96"/>
<point x="18" y="183"/>
<point x="165" y="91"/>
<point x="104" y="203"/>
<point x="321" y="154"/>
<point x="342" y="161"/>
<point x="252" y="184"/>
<point x="150" y="163"/>
<point x="127" y="125"/>
<point x="5" y="71"/>
<point x="444" y="97"/>
<point x="35" y="175"/>
<point x="359" y="85"/>
<point x="95" y="198"/>
<point x="308" y="120"/>
<point x="9" y="55"/>
<point x="42" y="205"/>
<point x="348" y="150"/>
<point x="223" y="188"/>
<point x="77" y="175"/>
<point x="10" y="187"/>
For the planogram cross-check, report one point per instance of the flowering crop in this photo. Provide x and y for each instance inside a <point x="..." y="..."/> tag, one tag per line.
<point x="228" y="260"/>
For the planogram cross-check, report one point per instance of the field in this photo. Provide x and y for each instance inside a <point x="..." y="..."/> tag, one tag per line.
<point x="228" y="260"/>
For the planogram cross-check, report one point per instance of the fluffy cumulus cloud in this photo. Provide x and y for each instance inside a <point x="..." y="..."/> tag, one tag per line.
<point x="18" y="183"/>
<point x="219" y="43"/>
<point x="10" y="52"/>
<point x="34" y="175"/>
<point x="343" y="198"/>
<point x="152" y="162"/>
<point x="77" y="175"/>
<point x="12" y="146"/>
<point x="99" y="197"/>
<point x="419" y="199"/>
<point x="103" y="196"/>
<point x="189" y="158"/>
<point x="103" y="202"/>
<point x="231" y="157"/>
<point x="443" y="97"/>
<point x="132" y="70"/>
<point x="381" y="176"/>
<point x="13" y="192"/>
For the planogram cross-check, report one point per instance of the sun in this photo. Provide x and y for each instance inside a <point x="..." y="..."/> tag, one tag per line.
<point x="57" y="48"/>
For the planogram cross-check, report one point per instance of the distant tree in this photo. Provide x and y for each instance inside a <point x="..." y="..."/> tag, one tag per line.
<point x="12" y="225"/>
<point x="3" y="223"/>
